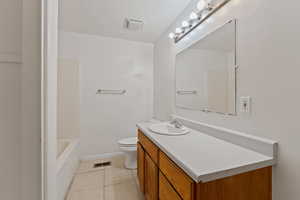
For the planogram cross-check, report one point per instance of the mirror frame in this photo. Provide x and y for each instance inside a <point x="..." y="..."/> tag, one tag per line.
<point x="234" y="113"/>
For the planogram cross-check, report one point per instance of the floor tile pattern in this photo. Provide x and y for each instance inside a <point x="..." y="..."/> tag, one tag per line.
<point x="105" y="183"/>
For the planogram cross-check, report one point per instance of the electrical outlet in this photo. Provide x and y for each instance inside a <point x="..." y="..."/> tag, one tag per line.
<point x="245" y="104"/>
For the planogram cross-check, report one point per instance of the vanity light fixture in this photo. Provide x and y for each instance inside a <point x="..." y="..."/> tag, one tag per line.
<point x="178" y="30"/>
<point x="172" y="35"/>
<point x="194" y="16"/>
<point x="205" y="8"/>
<point x="204" y="5"/>
<point x="185" y="24"/>
<point x="201" y="5"/>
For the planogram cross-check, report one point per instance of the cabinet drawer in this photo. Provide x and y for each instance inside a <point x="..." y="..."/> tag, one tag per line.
<point x="166" y="192"/>
<point x="149" y="147"/>
<point x="183" y="184"/>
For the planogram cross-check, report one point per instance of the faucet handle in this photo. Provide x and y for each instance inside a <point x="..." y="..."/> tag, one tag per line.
<point x="176" y="123"/>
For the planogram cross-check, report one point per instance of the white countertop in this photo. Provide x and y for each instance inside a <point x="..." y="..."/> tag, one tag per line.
<point x="205" y="158"/>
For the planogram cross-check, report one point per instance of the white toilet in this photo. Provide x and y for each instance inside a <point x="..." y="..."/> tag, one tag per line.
<point x="129" y="147"/>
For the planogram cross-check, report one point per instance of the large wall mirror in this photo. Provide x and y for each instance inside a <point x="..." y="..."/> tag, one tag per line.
<point x="206" y="72"/>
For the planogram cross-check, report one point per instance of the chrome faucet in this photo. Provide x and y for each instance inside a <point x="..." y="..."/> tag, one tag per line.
<point x="176" y="123"/>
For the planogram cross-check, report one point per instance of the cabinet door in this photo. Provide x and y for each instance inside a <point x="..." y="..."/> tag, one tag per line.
<point x="141" y="167"/>
<point x="182" y="183"/>
<point x="151" y="179"/>
<point x="166" y="191"/>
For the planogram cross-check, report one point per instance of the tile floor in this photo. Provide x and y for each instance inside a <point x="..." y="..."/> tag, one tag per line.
<point x="105" y="183"/>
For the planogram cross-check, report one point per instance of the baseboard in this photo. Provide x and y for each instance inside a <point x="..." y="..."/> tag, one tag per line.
<point x="100" y="156"/>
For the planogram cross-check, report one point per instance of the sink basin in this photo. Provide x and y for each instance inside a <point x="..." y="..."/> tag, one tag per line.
<point x="168" y="129"/>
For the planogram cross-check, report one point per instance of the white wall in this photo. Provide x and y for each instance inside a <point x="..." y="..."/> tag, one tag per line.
<point x="68" y="104"/>
<point x="108" y="63"/>
<point x="31" y="100"/>
<point x="11" y="30"/>
<point x="20" y="100"/>
<point x="164" y="75"/>
<point x="10" y="99"/>
<point x="10" y="136"/>
<point x="268" y="48"/>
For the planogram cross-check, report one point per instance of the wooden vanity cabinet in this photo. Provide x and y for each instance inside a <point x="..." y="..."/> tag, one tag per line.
<point x="162" y="179"/>
<point x="181" y="182"/>
<point x="141" y="167"/>
<point x="149" y="146"/>
<point x="252" y="185"/>
<point x="151" y="179"/>
<point x="147" y="167"/>
<point x="166" y="191"/>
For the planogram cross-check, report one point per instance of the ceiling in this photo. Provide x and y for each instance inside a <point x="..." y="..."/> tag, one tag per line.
<point x="106" y="17"/>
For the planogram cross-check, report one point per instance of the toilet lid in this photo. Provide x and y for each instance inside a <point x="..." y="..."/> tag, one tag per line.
<point x="128" y="141"/>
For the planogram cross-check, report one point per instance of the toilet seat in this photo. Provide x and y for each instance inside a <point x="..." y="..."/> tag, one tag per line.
<point x="128" y="142"/>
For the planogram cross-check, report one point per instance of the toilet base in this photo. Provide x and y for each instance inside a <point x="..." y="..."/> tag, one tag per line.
<point x="130" y="160"/>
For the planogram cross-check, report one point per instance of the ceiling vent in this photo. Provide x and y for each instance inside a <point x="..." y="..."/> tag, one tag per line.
<point x="134" y="24"/>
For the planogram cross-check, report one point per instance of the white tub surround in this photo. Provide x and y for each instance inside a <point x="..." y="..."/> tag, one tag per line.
<point x="204" y="157"/>
<point x="67" y="164"/>
<point x="110" y="64"/>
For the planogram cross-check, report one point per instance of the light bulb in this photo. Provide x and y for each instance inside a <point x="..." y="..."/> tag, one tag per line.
<point x="201" y="5"/>
<point x="194" y="16"/>
<point x="204" y="13"/>
<point x="172" y="35"/>
<point x="178" y="30"/>
<point x="185" y="24"/>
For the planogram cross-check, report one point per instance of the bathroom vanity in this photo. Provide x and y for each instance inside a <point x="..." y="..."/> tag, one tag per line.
<point x="198" y="166"/>
<point x="208" y="163"/>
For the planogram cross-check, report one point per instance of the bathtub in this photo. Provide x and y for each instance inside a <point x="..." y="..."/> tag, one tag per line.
<point x="67" y="163"/>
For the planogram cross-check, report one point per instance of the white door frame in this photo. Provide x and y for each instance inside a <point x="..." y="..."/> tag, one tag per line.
<point x="49" y="13"/>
